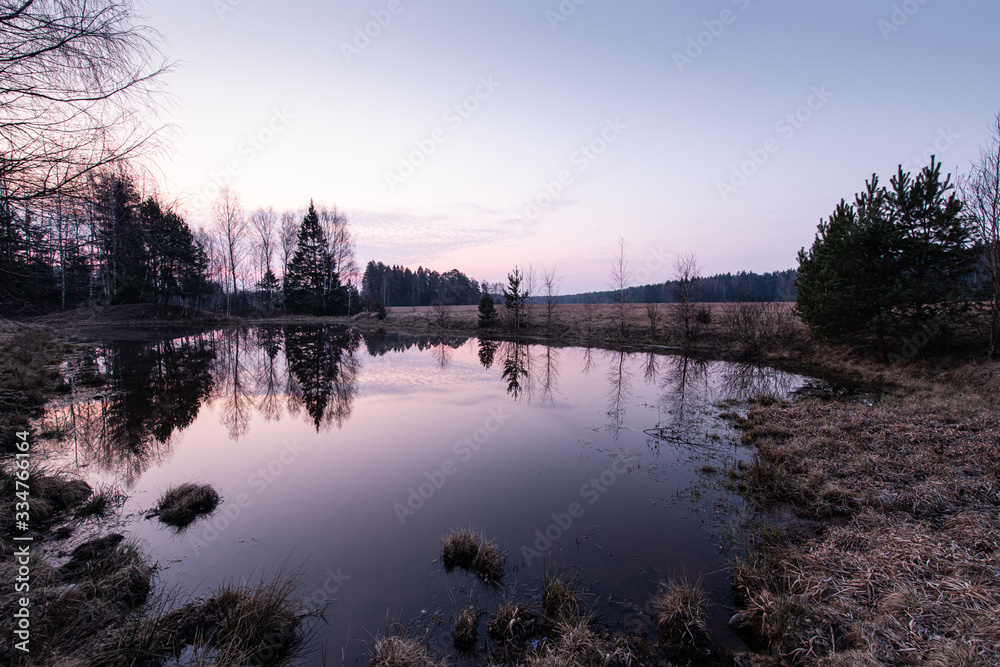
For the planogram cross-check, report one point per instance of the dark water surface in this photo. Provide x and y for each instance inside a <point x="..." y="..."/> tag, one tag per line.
<point x="349" y="456"/>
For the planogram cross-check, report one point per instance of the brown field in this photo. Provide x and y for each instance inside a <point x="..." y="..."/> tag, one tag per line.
<point x="599" y="324"/>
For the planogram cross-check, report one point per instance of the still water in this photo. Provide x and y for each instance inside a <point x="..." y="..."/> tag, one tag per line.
<point x="348" y="456"/>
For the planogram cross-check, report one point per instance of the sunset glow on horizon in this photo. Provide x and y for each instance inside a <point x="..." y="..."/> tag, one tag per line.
<point x="480" y="135"/>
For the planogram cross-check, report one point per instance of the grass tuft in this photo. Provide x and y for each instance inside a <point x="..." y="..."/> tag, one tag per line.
<point x="399" y="650"/>
<point x="182" y="504"/>
<point x="101" y="502"/>
<point x="466" y="631"/>
<point x="681" y="607"/>
<point x="561" y="601"/>
<point x="471" y="551"/>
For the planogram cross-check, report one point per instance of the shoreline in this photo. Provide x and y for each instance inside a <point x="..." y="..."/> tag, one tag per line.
<point x="805" y="507"/>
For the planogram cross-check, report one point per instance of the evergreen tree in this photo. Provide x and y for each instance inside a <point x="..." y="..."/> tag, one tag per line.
<point x="936" y="262"/>
<point x="892" y="263"/>
<point x="487" y="312"/>
<point x="515" y="300"/>
<point x="307" y="288"/>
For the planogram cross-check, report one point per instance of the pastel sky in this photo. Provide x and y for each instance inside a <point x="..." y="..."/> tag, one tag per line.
<point x="477" y="134"/>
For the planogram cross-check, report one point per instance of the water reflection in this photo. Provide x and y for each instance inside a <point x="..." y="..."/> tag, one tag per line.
<point x="323" y="373"/>
<point x="544" y="421"/>
<point x="152" y="392"/>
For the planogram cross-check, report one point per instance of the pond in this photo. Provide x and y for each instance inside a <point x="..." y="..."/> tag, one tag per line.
<point x="348" y="456"/>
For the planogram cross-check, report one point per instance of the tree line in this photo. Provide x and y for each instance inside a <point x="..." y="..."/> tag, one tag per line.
<point x="400" y="286"/>
<point x="110" y="244"/>
<point x="79" y="88"/>
<point x="718" y="288"/>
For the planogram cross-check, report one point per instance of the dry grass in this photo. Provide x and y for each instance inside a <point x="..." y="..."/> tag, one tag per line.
<point x="907" y="570"/>
<point x="471" y="551"/>
<point x="75" y="607"/>
<point x="466" y="631"/>
<point x="101" y="503"/>
<point x="578" y="645"/>
<point x="399" y="650"/>
<point x="561" y="600"/>
<point x="52" y="494"/>
<point x="596" y="324"/>
<point x="181" y="505"/>
<point x="234" y="626"/>
<point x="681" y="606"/>
<point x="28" y="372"/>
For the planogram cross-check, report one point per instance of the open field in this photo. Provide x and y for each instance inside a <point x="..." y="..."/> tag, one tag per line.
<point x="600" y="324"/>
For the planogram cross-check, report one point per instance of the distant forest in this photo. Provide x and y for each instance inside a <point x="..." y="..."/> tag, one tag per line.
<point x="742" y="286"/>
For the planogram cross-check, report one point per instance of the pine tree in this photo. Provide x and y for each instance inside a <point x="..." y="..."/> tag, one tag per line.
<point x="892" y="264"/>
<point x="487" y="312"/>
<point x="307" y="288"/>
<point x="514" y="300"/>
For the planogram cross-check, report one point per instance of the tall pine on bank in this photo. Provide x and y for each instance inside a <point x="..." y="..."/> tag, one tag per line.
<point x="308" y="287"/>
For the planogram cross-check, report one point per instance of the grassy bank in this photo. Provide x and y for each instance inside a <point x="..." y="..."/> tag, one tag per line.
<point x="29" y="374"/>
<point x="884" y="543"/>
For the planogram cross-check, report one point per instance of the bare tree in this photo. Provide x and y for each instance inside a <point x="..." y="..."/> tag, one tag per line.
<point x="341" y="245"/>
<point x="686" y="273"/>
<point x="550" y="294"/>
<point x="77" y="82"/>
<point x="530" y="290"/>
<point x="288" y="237"/>
<point x="440" y="307"/>
<point x="981" y="192"/>
<point x="231" y="227"/>
<point x="263" y="221"/>
<point x="653" y="316"/>
<point x="621" y="279"/>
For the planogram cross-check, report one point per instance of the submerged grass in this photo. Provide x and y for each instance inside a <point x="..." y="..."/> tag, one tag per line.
<point x="181" y="505"/>
<point x="101" y="503"/>
<point x="889" y="548"/>
<point x="472" y="551"/>
<point x="466" y="631"/>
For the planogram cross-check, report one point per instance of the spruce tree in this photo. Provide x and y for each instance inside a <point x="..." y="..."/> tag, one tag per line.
<point x="306" y="280"/>
<point x="487" y="312"/>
